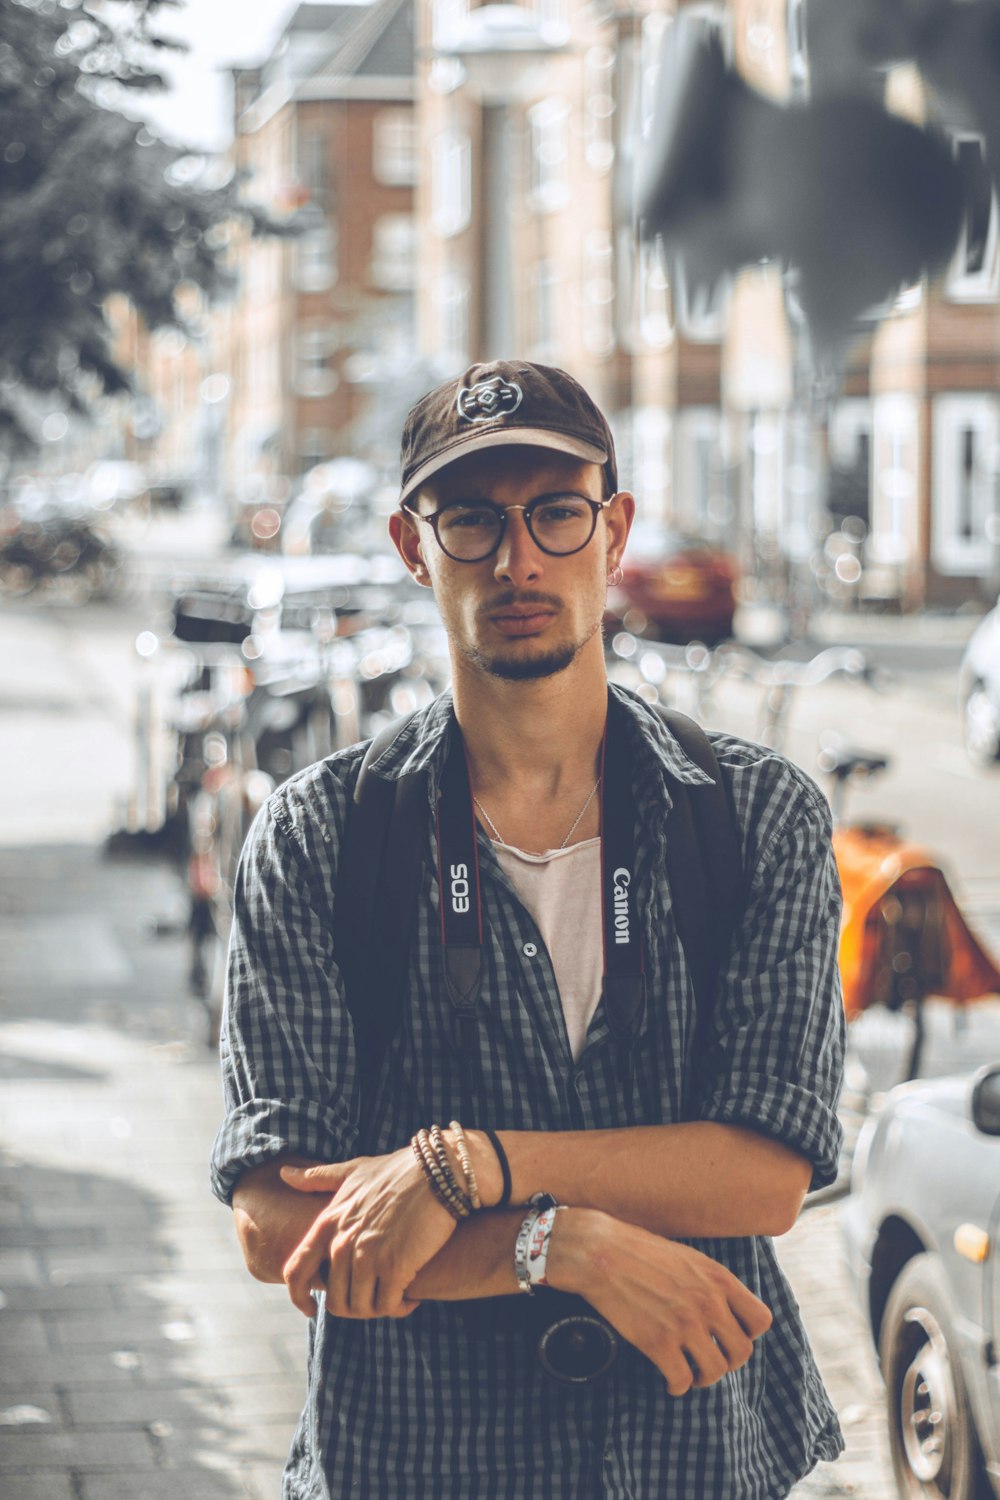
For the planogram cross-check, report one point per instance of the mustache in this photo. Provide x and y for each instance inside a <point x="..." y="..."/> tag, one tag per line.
<point x="521" y="597"/>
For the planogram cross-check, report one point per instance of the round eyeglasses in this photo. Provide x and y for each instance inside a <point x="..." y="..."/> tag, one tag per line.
<point x="472" y="530"/>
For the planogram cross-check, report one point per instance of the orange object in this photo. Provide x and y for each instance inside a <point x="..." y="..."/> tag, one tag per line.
<point x="902" y="936"/>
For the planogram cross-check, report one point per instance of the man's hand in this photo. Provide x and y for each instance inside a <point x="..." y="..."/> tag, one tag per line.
<point x="691" y="1316"/>
<point x="382" y="1226"/>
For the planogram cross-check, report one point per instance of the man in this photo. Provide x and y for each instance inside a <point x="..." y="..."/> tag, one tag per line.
<point x="675" y="1157"/>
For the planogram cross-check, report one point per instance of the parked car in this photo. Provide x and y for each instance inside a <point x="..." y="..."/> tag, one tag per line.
<point x="979" y="691"/>
<point x="921" y="1227"/>
<point x="674" y="588"/>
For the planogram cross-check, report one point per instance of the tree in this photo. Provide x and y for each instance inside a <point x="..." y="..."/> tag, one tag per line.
<point x="91" y="204"/>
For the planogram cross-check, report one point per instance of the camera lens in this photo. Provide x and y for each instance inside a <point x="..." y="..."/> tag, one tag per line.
<point x="578" y="1348"/>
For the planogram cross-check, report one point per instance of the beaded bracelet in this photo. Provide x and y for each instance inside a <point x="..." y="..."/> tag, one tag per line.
<point x="441" y="1190"/>
<point x="444" y="1161"/>
<point x="436" y="1179"/>
<point x="464" y="1156"/>
<point x="432" y="1145"/>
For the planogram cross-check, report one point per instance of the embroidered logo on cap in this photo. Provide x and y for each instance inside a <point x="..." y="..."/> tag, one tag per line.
<point x="488" y="400"/>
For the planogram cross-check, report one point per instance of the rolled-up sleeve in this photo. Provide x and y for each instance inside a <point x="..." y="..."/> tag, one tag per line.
<point x="775" y="1058"/>
<point x="287" y="1046"/>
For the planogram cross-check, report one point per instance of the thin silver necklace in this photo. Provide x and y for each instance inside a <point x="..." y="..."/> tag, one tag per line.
<point x="498" y="836"/>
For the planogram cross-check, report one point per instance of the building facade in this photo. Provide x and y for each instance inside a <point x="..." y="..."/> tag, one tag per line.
<point x="325" y="134"/>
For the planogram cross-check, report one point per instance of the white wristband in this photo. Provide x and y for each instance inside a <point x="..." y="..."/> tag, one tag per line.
<point x="541" y="1204"/>
<point x="538" y="1244"/>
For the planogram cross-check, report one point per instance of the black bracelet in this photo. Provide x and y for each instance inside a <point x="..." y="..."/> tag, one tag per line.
<point x="491" y="1136"/>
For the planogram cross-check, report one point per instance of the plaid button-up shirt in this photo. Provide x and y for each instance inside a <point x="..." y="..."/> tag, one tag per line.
<point x="438" y="1406"/>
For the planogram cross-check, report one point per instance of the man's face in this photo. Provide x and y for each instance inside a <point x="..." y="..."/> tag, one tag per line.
<point x="521" y="613"/>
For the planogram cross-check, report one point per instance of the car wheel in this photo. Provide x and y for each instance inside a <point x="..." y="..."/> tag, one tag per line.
<point x="981" y="727"/>
<point x="935" y="1451"/>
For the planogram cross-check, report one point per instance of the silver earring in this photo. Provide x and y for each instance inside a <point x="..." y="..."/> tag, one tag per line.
<point x="615" y="577"/>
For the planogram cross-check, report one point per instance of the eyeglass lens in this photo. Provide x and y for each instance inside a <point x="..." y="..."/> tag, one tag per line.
<point x="561" y="525"/>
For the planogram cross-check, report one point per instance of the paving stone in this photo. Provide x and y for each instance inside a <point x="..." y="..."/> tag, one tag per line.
<point x="272" y="1401"/>
<point x="56" y="1237"/>
<point x="67" y="1266"/>
<point x="44" y="1448"/>
<point x="70" y="1366"/>
<point x="223" y="1362"/>
<point x="61" y="1301"/>
<point x="82" y="1329"/>
<point x="52" y="1484"/>
<point x="19" y="1268"/>
<point x="177" y="1484"/>
<point x="143" y="1405"/>
<point x="263" y="1481"/>
<point x="43" y="1397"/>
<point x="256" y="1442"/>
<point x="22" y="1333"/>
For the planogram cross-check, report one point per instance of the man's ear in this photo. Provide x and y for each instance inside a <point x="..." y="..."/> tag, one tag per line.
<point x="619" y="517"/>
<point x="406" y="539"/>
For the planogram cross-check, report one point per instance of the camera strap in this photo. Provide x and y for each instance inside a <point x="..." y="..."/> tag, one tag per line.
<point x="624" y="987"/>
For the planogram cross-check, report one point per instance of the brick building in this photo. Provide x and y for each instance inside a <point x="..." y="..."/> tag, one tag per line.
<point x="324" y="130"/>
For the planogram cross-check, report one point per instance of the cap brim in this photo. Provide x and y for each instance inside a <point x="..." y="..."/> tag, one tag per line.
<point x="509" y="437"/>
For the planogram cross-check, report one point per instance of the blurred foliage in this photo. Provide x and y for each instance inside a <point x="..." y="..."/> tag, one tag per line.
<point x="92" y="204"/>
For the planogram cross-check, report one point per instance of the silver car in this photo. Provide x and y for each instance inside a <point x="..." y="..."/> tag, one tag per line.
<point x="922" y="1227"/>
<point x="979" y="691"/>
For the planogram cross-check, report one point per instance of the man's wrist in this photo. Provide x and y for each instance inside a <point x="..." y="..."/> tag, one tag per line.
<point x="487" y="1168"/>
<point x="573" y="1246"/>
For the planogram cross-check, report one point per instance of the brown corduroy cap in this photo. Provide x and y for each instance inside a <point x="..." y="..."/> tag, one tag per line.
<point x="498" y="404"/>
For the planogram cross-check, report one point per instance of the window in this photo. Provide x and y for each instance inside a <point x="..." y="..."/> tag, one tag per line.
<point x="314" y="447"/>
<point x="316" y="258"/>
<point x="447" y="18"/>
<point x="394" y="252"/>
<point x="767" y="451"/>
<point x="850" y="442"/>
<point x="312" y="169"/>
<point x="651" y="434"/>
<point x="548" y="174"/>
<point x="896" y="477"/>
<point x="975" y="271"/>
<point x="656" y="328"/>
<point x="598" y="91"/>
<point x="966" y="454"/>
<point x="701" y="311"/>
<point x="314" y="345"/>
<point x="699" y="470"/>
<point x="451" y="182"/>
<point x="798" y="56"/>
<point x="395" y="148"/>
<point x="551" y="14"/>
<point x="543" y="281"/>
<point x="451" y="303"/>
<point x="654" y="28"/>
<point x="598" y="292"/>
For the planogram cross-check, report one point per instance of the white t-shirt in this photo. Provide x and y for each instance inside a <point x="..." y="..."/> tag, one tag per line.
<point x="562" y="891"/>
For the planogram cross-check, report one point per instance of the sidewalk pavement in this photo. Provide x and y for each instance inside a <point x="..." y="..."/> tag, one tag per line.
<point x="138" y="1360"/>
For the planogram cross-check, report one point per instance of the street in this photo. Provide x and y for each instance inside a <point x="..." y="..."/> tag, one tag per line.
<point x="137" y="1358"/>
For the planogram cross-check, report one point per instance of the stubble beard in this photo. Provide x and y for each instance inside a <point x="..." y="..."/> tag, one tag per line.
<point x="528" y="668"/>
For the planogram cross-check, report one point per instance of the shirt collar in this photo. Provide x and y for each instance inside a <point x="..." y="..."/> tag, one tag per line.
<point x="425" y="740"/>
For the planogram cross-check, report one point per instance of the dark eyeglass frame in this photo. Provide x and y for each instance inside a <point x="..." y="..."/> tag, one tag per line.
<point x="501" y="512"/>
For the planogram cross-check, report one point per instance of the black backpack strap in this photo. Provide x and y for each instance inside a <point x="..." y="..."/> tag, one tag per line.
<point x="704" y="865"/>
<point x="374" y="908"/>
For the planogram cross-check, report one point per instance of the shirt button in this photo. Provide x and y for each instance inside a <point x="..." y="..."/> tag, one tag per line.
<point x="530" y="950"/>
